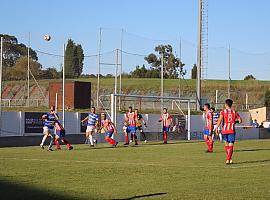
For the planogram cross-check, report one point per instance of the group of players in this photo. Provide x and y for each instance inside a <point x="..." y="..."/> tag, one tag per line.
<point x="227" y="119"/>
<point x="134" y="121"/>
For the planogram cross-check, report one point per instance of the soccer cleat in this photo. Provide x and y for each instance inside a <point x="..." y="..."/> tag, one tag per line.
<point x="95" y="142"/>
<point x="70" y="148"/>
<point x="126" y="144"/>
<point x="227" y="162"/>
<point x="92" y="145"/>
<point x="136" y="143"/>
<point x="114" y="145"/>
<point x="231" y="162"/>
<point x="41" y="146"/>
<point x="50" y="149"/>
<point x="165" y="142"/>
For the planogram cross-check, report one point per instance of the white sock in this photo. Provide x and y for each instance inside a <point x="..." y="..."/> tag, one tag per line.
<point x="220" y="137"/>
<point x="91" y="139"/>
<point x="43" y="140"/>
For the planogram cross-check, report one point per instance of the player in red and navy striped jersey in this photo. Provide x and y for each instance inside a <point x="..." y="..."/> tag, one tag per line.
<point x="166" y="119"/>
<point x="229" y="117"/>
<point x="208" y="128"/>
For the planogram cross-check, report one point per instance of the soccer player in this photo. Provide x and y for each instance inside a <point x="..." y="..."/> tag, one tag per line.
<point x="166" y="119"/>
<point x="215" y="120"/>
<point x="48" y="128"/>
<point x="60" y="134"/>
<point x="139" y="124"/>
<point x="130" y="117"/>
<point x="208" y="128"/>
<point x="92" y="123"/>
<point x="109" y="129"/>
<point x="229" y="117"/>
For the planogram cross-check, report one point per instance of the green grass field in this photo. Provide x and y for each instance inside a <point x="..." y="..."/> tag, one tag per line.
<point x="180" y="170"/>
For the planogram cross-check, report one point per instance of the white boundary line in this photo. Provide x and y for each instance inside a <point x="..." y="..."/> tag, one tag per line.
<point x="137" y="163"/>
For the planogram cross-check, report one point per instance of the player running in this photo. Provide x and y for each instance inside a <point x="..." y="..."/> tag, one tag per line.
<point x="60" y="134"/>
<point x="217" y="129"/>
<point x="109" y="128"/>
<point x="166" y="119"/>
<point x="48" y="128"/>
<point x="92" y="123"/>
<point x="208" y="128"/>
<point x="229" y="117"/>
<point x="139" y="124"/>
<point x="130" y="118"/>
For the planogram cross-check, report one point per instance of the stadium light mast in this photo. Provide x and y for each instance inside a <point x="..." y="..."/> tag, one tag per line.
<point x="99" y="63"/>
<point x="63" y="86"/>
<point x="199" y="60"/>
<point x="28" y="71"/>
<point x="229" y="72"/>
<point x="1" y="69"/>
<point x="162" y="80"/>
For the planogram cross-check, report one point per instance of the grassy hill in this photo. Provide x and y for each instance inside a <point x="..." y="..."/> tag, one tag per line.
<point x="253" y="88"/>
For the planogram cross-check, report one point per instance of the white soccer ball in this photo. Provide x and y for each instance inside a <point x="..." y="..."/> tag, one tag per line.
<point x="47" y="38"/>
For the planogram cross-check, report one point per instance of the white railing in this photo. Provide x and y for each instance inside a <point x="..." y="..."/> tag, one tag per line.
<point x="22" y="102"/>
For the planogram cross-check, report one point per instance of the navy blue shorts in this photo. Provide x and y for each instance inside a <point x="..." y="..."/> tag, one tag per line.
<point x="230" y="138"/>
<point x="207" y="132"/>
<point x="109" y="133"/>
<point x="166" y="129"/>
<point x="61" y="133"/>
<point x="131" y="129"/>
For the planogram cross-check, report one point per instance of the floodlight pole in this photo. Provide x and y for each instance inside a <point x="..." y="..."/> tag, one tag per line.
<point x="199" y="55"/>
<point x="63" y="87"/>
<point x="180" y="59"/>
<point x="28" y="71"/>
<point x="162" y="83"/>
<point x="121" y="69"/>
<point x="115" y="84"/>
<point x="99" y="60"/>
<point x="1" y="69"/>
<point x="229" y="73"/>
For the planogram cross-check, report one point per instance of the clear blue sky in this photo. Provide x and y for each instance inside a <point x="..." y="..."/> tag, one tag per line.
<point x="244" y="24"/>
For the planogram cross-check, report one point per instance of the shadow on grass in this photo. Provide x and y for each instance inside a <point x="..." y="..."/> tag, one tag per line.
<point x="14" y="191"/>
<point x="252" y="161"/>
<point x="143" y="196"/>
<point x="250" y="150"/>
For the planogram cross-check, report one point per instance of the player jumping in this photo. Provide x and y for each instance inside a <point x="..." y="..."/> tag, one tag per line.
<point x="131" y="127"/>
<point x="139" y="124"/>
<point x="166" y="119"/>
<point x="229" y="117"/>
<point x="208" y="129"/>
<point x="92" y="123"/>
<point x="60" y="134"/>
<point x="48" y="129"/>
<point x="109" y="129"/>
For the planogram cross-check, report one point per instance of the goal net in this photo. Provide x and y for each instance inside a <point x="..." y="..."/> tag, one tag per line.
<point x="116" y="105"/>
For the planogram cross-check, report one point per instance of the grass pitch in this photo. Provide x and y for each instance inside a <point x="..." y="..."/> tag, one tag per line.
<point x="180" y="170"/>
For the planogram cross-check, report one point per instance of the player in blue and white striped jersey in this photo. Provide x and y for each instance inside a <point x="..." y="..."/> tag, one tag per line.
<point x="92" y="123"/>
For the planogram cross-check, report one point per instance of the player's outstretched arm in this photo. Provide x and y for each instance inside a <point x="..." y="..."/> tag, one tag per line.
<point x="84" y="120"/>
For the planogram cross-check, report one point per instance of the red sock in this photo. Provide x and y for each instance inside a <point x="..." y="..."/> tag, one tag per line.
<point x="230" y="152"/>
<point x="110" y="140"/>
<point x="211" y="145"/>
<point x="57" y="144"/>
<point x="66" y="143"/>
<point x="207" y="143"/>
<point x="127" y="141"/>
<point x="227" y="152"/>
<point x="165" y="137"/>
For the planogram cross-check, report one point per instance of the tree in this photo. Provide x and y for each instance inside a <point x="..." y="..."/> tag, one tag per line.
<point x="73" y="59"/>
<point x="250" y="77"/>
<point x="267" y="98"/>
<point x="19" y="70"/>
<point x="194" y="72"/>
<point x="139" y="72"/>
<point x="12" y="50"/>
<point x="171" y="63"/>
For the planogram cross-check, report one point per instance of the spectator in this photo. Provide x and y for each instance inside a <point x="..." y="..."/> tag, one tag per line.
<point x="261" y="126"/>
<point x="255" y="123"/>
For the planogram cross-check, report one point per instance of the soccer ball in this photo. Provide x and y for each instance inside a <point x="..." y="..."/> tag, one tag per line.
<point x="47" y="38"/>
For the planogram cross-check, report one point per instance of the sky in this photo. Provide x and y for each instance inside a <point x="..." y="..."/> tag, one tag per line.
<point x="243" y="25"/>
